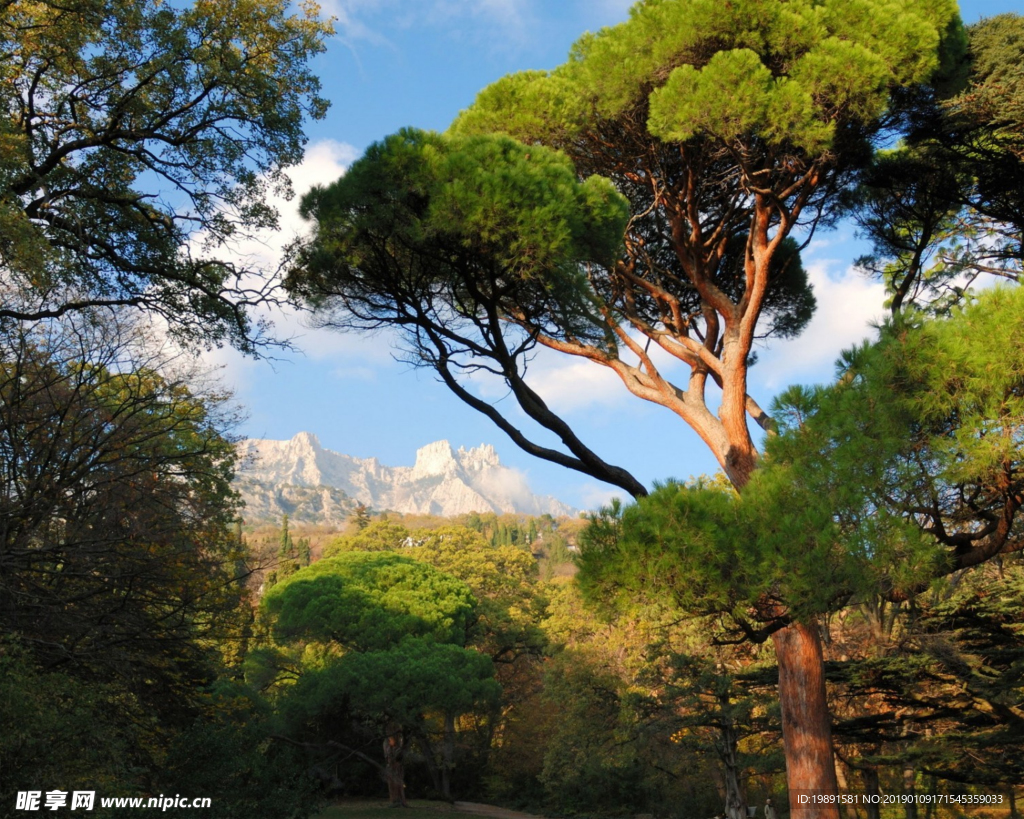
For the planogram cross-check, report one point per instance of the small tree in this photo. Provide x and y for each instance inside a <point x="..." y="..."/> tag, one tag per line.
<point x="391" y="632"/>
<point x="360" y="516"/>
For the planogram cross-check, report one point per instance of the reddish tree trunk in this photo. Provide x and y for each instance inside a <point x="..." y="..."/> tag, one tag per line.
<point x="394" y="751"/>
<point x="806" y="725"/>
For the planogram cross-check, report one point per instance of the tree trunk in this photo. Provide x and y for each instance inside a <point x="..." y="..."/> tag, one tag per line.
<point x="428" y="758"/>
<point x="873" y="808"/>
<point x="735" y="802"/>
<point x="845" y="810"/>
<point x="806" y="724"/>
<point x="909" y="777"/>
<point x="394" y="751"/>
<point x="447" y="756"/>
<point x="933" y="787"/>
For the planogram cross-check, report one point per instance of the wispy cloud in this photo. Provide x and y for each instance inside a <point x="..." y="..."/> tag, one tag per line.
<point x="593" y="496"/>
<point x="349" y="17"/>
<point x="570" y="384"/>
<point x="325" y="161"/>
<point x="367" y="20"/>
<point x="848" y="307"/>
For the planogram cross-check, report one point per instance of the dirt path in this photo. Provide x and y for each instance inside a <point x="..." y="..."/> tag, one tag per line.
<point x="491" y="811"/>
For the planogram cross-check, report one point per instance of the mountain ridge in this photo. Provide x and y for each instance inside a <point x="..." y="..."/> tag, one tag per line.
<point x="302" y="478"/>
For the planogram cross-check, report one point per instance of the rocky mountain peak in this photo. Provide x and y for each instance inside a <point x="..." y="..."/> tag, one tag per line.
<point x="434" y="459"/>
<point x="310" y="483"/>
<point x="480" y="457"/>
<point x="306" y="440"/>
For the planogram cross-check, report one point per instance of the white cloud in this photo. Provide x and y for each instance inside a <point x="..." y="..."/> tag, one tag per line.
<point x="570" y="383"/>
<point x="594" y="496"/>
<point x="848" y="306"/>
<point x="324" y="161"/>
<point x="512" y="17"/>
<point x="574" y="383"/>
<point x="566" y="383"/>
<point x="347" y="19"/>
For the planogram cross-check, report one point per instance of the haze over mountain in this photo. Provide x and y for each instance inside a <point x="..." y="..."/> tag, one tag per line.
<point x="312" y="484"/>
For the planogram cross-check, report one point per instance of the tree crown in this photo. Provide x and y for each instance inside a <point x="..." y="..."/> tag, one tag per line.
<point x="369" y="601"/>
<point x="141" y="137"/>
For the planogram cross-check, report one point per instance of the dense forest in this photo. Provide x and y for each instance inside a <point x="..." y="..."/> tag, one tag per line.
<point x="839" y="610"/>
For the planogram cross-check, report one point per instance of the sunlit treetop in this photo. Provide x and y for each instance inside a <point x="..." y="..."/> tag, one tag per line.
<point x="727" y="126"/>
<point x="724" y="126"/>
<point x="422" y="206"/>
<point x="368" y="601"/>
<point x="791" y="73"/>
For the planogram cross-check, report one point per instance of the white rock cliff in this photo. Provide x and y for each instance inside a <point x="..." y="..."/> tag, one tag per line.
<point x="313" y="484"/>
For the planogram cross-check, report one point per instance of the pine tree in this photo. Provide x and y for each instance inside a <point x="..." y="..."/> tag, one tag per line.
<point x="286" y="547"/>
<point x="360" y="517"/>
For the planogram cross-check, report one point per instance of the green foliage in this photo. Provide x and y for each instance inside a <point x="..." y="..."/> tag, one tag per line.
<point x="795" y="74"/>
<point x="361" y="516"/>
<point x="996" y="94"/>
<point x="906" y="469"/>
<point x="120" y="557"/>
<point x="122" y="102"/>
<point x="488" y="570"/>
<point x="228" y="754"/>
<point x="378" y="536"/>
<point x="56" y="728"/>
<point x="760" y="559"/>
<point x="466" y="245"/>
<point x="588" y="765"/>
<point x="369" y="601"/>
<point x="907" y="204"/>
<point x="918" y="444"/>
<point x="946" y="207"/>
<point x="511" y="530"/>
<point x="516" y="215"/>
<point x="122" y="583"/>
<point x="602" y="735"/>
<point x="946" y="688"/>
<point x="374" y="647"/>
<point x="401" y="683"/>
<point x="557" y="550"/>
<point x="691" y="106"/>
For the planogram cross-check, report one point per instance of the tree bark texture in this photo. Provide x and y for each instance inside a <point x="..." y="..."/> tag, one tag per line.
<point x="806" y="725"/>
<point x="394" y="751"/>
<point x="735" y="801"/>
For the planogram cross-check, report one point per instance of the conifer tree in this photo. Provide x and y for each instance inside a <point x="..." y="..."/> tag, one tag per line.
<point x="703" y="132"/>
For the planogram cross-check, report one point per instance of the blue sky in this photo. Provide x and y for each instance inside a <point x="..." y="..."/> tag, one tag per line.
<point x="419" y="62"/>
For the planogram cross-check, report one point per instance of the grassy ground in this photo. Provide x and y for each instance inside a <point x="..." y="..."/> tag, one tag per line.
<point x="372" y="809"/>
